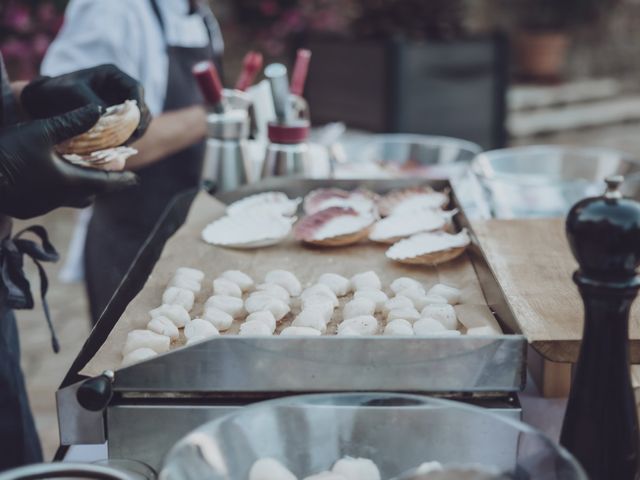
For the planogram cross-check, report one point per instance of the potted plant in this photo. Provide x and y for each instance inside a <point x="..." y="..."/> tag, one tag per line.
<point x="544" y="30"/>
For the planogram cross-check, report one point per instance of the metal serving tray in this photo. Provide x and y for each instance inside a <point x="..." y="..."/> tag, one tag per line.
<point x="232" y="370"/>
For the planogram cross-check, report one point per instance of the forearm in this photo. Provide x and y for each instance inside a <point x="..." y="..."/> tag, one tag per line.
<point x="169" y="133"/>
<point x="16" y="89"/>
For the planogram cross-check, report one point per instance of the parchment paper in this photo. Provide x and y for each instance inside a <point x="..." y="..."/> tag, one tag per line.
<point x="187" y="249"/>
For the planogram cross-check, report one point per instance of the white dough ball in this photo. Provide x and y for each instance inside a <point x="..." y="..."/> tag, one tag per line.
<point x="223" y="286"/>
<point x="285" y="279"/>
<point x="163" y="326"/>
<point x="312" y="318"/>
<point x="358" y="307"/>
<point x="179" y="296"/>
<point x="201" y="328"/>
<point x="366" y="281"/>
<point x="349" y="332"/>
<point x="319" y="301"/>
<point x="187" y="283"/>
<point x="138" y="355"/>
<point x="176" y="313"/>
<point x="300" y="332"/>
<point x="444" y="313"/>
<point x="326" y="476"/>
<point x="218" y="318"/>
<point x="146" y="339"/>
<point x="483" y="331"/>
<point x="378" y="296"/>
<point x="265" y="317"/>
<point x="258" y="302"/>
<point x="409" y="314"/>
<point x="415" y="294"/>
<point x="356" y="469"/>
<point x="404" y="283"/>
<point x="337" y="283"/>
<point x="398" y="326"/>
<point x="234" y="306"/>
<point x="399" y="301"/>
<point x="196" y="339"/>
<point x="274" y="290"/>
<point x="364" y="325"/>
<point x="428" y="326"/>
<point x="193" y="273"/>
<point x="270" y="469"/>
<point x="452" y="294"/>
<point x="241" y="279"/>
<point x="255" y="328"/>
<point x="431" y="299"/>
<point x="320" y="289"/>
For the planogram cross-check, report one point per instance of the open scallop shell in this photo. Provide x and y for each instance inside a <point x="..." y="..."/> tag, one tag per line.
<point x="276" y="202"/>
<point x="409" y="200"/>
<point x="113" y="129"/>
<point x="361" y="200"/>
<point x="334" y="226"/>
<point x="429" y="248"/>
<point x="248" y="231"/>
<point x="111" y="159"/>
<point x="399" y="226"/>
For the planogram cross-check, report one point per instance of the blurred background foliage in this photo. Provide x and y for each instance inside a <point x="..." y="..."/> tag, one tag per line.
<point x="601" y="43"/>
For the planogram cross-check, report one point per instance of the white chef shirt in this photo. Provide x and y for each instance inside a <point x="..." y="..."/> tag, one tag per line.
<point x="127" y="34"/>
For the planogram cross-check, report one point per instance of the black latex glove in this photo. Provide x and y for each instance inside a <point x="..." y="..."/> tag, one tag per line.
<point x="34" y="180"/>
<point x="105" y="85"/>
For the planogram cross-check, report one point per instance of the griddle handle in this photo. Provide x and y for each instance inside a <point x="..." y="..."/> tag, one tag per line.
<point x="95" y="393"/>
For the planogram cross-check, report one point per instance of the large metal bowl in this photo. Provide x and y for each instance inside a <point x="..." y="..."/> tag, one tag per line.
<point x="426" y="156"/>
<point x="398" y="432"/>
<point x="545" y="181"/>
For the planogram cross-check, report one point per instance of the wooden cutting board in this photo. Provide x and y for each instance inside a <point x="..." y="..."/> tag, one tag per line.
<point x="533" y="264"/>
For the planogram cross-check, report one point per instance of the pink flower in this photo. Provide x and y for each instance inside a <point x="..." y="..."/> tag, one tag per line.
<point x="17" y="17"/>
<point x="269" y="7"/>
<point x="40" y="44"/>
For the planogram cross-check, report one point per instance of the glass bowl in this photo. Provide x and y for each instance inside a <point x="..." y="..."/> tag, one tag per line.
<point x="398" y="432"/>
<point x="546" y="181"/>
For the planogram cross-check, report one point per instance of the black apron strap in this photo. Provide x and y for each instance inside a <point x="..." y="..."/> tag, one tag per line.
<point x="16" y="287"/>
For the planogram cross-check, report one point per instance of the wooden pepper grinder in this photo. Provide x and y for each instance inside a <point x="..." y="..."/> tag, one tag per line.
<point x="601" y="424"/>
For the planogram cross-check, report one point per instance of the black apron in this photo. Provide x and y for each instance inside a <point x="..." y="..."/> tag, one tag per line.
<point x="122" y="221"/>
<point x="19" y="442"/>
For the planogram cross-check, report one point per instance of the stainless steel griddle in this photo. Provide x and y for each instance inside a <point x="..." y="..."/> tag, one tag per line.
<point x="144" y="409"/>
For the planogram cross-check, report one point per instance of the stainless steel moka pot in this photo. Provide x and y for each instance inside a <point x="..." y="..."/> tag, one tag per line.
<point x="225" y="163"/>
<point x="287" y="153"/>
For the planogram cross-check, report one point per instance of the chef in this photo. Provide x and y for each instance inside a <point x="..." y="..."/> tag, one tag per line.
<point x="34" y="181"/>
<point x="157" y="42"/>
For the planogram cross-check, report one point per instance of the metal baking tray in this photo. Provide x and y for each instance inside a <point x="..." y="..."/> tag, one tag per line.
<point x="239" y="366"/>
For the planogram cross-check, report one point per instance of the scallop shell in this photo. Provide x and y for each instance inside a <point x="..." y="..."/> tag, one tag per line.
<point x="399" y="226"/>
<point x="113" y="129"/>
<point x="248" y="231"/>
<point x="361" y="200"/>
<point x="429" y="248"/>
<point x="409" y="200"/>
<point x="334" y="226"/>
<point x="111" y="159"/>
<point x="276" y="202"/>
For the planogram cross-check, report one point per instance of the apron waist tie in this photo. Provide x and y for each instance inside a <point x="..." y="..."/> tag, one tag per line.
<point x="14" y="281"/>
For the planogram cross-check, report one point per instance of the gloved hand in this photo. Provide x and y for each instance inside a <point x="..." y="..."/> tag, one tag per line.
<point x="104" y="85"/>
<point x="34" y="180"/>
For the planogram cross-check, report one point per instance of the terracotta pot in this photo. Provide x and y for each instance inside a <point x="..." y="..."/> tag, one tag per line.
<point x="541" y="56"/>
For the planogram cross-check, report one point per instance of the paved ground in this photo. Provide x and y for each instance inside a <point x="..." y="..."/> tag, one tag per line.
<point x="44" y="370"/>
